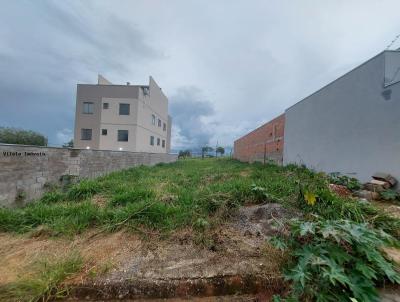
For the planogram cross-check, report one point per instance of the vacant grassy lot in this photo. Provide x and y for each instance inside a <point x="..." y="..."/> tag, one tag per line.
<point x="335" y="250"/>
<point x="190" y="192"/>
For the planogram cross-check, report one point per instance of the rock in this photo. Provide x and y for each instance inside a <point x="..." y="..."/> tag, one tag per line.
<point x="374" y="187"/>
<point x="340" y="190"/>
<point x="368" y="195"/>
<point x="382" y="183"/>
<point x="363" y="201"/>
<point x="385" y="177"/>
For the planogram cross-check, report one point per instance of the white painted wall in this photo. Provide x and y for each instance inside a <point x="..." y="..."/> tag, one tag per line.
<point x="349" y="126"/>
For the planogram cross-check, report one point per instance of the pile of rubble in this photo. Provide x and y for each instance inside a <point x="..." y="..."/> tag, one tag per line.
<point x="380" y="182"/>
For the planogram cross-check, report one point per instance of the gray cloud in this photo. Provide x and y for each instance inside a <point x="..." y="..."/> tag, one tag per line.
<point x="248" y="60"/>
<point x="52" y="48"/>
<point x="189" y="109"/>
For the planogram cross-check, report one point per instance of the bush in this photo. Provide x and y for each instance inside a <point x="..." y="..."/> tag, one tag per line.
<point x="336" y="260"/>
<point x="21" y="137"/>
<point x="184" y="154"/>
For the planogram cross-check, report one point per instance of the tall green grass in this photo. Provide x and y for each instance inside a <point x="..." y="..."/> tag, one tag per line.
<point x="169" y="196"/>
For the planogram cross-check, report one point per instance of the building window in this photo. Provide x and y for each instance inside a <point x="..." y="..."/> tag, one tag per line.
<point x="159" y="123"/>
<point x="122" y="135"/>
<point x="86" y="134"/>
<point x="153" y="119"/>
<point x="105" y="105"/>
<point x="87" y="107"/>
<point x="158" y="141"/>
<point x="163" y="143"/>
<point x="164" y="126"/>
<point x="152" y="140"/>
<point x="124" y="109"/>
<point x="103" y="131"/>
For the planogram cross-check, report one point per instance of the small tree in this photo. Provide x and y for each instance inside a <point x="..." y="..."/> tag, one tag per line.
<point x="70" y="144"/>
<point x="205" y="150"/>
<point x="184" y="154"/>
<point x="220" y="150"/>
<point x="21" y="137"/>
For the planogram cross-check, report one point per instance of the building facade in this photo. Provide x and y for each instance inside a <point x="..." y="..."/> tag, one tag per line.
<point x="350" y="126"/>
<point x="262" y="144"/>
<point x="122" y="117"/>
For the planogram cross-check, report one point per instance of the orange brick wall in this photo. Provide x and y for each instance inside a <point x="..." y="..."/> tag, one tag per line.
<point x="267" y="139"/>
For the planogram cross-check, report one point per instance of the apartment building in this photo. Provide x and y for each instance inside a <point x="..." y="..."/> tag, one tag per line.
<point x="122" y="117"/>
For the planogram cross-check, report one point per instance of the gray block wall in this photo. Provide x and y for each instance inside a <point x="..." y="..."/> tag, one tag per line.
<point x="350" y="126"/>
<point x="24" y="170"/>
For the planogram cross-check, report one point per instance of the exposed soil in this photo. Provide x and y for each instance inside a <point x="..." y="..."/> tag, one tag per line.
<point x="392" y="209"/>
<point x="232" y="259"/>
<point x="263" y="221"/>
<point x="18" y="252"/>
<point x="232" y="263"/>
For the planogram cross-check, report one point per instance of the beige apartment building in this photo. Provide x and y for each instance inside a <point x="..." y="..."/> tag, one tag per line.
<point x="122" y="117"/>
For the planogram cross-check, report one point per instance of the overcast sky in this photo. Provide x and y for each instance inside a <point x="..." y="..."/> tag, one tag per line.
<point x="226" y="66"/>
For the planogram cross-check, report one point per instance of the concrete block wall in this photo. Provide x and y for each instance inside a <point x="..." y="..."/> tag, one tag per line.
<point x="24" y="170"/>
<point x="266" y="140"/>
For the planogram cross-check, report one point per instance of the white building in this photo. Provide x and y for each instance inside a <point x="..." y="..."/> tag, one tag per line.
<point x="122" y="117"/>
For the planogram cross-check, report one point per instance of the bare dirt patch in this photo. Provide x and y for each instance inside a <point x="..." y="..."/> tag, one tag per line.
<point x="239" y="260"/>
<point x="263" y="221"/>
<point x="389" y="208"/>
<point x="245" y="173"/>
<point x="17" y="252"/>
<point x="100" y="201"/>
<point x="123" y="265"/>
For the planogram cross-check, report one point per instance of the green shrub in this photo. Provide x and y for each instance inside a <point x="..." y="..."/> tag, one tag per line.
<point x="336" y="260"/>
<point x="86" y="188"/>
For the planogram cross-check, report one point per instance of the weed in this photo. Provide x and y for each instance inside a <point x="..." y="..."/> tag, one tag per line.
<point x="52" y="197"/>
<point x="46" y="282"/>
<point x="350" y="182"/>
<point x="84" y="189"/>
<point x="335" y="260"/>
<point x="130" y="196"/>
<point x="201" y="188"/>
<point x="261" y="194"/>
<point x="389" y="195"/>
